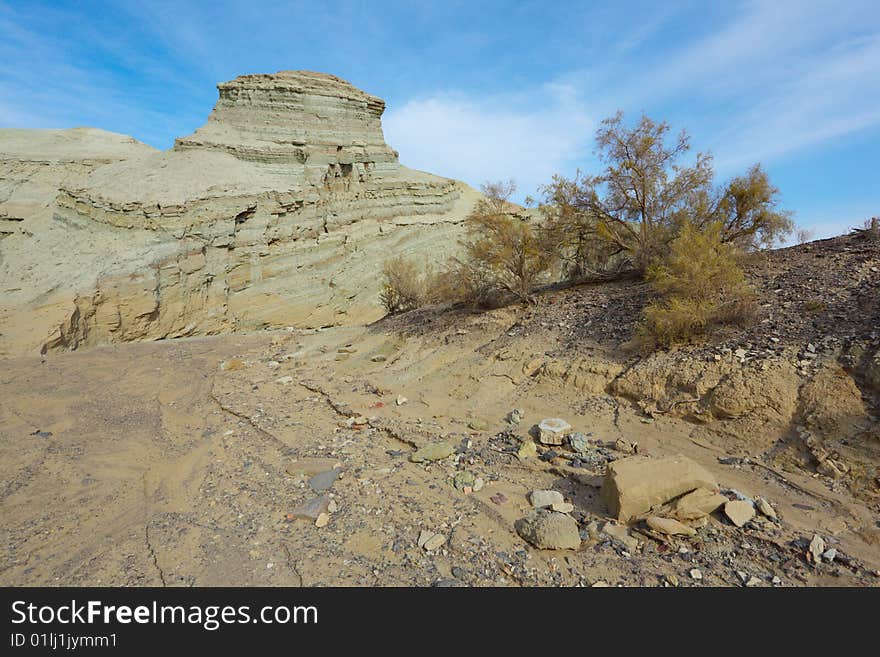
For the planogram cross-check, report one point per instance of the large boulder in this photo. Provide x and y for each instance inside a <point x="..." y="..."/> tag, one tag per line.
<point x="634" y="485"/>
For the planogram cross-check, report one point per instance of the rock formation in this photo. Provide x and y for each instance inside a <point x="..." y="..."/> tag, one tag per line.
<point x="278" y="212"/>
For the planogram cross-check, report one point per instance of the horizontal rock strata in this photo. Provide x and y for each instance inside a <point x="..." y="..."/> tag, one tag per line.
<point x="278" y="212"/>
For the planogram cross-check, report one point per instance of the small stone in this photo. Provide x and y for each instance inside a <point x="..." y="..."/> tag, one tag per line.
<point x="545" y="498"/>
<point x="527" y="450"/>
<point x="324" y="480"/>
<point x="310" y="510"/>
<point x="549" y="455"/>
<point x="753" y="582"/>
<point x="322" y="520"/>
<point x="765" y="508"/>
<point x="776" y="581"/>
<point x="434" y="542"/>
<point x="601" y="585"/>
<point x="697" y="504"/>
<point x="739" y="512"/>
<point x="830" y="554"/>
<point x="696" y="574"/>
<point x="379" y="358"/>
<point x="548" y="530"/>
<point x="831" y="468"/>
<point x="552" y="431"/>
<point x="478" y="425"/>
<point x="620" y="533"/>
<point x="579" y="442"/>
<point x="401" y="400"/>
<point x="424" y="535"/>
<point x="464" y="479"/>
<point x="284" y="380"/>
<point x="562" y="507"/>
<point x="817" y="548"/>
<point x="478" y="484"/>
<point x="625" y="446"/>
<point x="670" y="526"/>
<point x="515" y="416"/>
<point x="435" y="452"/>
<point x="332" y="507"/>
<point x="499" y="498"/>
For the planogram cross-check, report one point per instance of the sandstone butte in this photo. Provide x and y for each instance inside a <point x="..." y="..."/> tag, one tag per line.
<point x="278" y="212"/>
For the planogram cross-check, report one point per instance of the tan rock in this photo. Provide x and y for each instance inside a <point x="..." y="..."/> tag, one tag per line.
<point x="544" y="498"/>
<point x="669" y="526"/>
<point x="697" y="504"/>
<point x="634" y="485"/>
<point x="435" y="452"/>
<point x="621" y="534"/>
<point x="527" y="450"/>
<point x="434" y="542"/>
<point x="548" y="530"/>
<point x="765" y="508"/>
<point x="739" y="512"/>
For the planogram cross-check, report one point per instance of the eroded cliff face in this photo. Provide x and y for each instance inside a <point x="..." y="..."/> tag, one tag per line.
<point x="278" y="212"/>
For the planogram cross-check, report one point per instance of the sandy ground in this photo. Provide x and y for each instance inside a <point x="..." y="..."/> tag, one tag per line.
<point x="183" y="462"/>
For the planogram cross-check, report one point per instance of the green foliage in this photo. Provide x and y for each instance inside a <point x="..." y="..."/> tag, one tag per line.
<point x="700" y="285"/>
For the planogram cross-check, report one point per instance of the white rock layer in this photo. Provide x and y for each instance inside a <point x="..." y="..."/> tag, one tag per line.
<point x="278" y="212"/>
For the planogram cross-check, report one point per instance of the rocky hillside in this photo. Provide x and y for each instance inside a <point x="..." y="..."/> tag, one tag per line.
<point x="278" y="212"/>
<point x="799" y="383"/>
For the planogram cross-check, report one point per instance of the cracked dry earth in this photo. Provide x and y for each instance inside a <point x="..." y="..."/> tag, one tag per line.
<point x="184" y="462"/>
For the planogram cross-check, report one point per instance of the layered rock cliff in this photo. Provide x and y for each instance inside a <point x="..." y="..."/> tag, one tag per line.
<point x="278" y="212"/>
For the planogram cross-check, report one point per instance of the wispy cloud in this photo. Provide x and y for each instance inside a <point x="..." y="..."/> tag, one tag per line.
<point x="499" y="137"/>
<point x="467" y="84"/>
<point x="780" y="76"/>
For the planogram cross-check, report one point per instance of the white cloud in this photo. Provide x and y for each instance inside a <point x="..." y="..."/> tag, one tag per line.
<point x="838" y="94"/>
<point x="491" y="138"/>
<point x="788" y="74"/>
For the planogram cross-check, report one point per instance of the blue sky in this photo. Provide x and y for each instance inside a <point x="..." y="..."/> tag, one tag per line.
<point x="489" y="90"/>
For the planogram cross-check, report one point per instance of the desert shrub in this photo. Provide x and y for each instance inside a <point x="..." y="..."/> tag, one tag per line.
<point x="504" y="251"/>
<point x="404" y="285"/>
<point x="700" y="284"/>
<point x="804" y="235"/>
<point x="460" y="282"/>
<point x="635" y="205"/>
<point x="748" y="212"/>
<point x="627" y="215"/>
